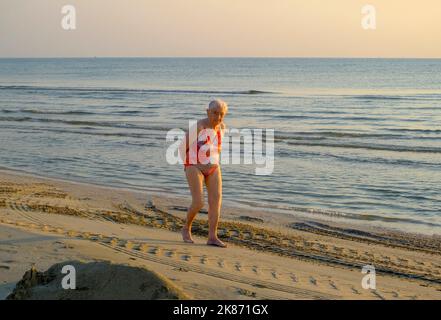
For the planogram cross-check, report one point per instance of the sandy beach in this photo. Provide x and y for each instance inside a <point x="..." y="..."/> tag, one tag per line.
<point x="44" y="222"/>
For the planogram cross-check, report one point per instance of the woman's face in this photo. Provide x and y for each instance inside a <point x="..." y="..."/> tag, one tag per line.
<point x="216" y="115"/>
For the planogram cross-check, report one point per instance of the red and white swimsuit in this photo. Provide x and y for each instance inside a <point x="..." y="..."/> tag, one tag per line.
<point x="206" y="160"/>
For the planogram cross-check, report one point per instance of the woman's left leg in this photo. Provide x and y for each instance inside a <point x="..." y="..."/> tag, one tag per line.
<point x="195" y="180"/>
<point x="214" y="190"/>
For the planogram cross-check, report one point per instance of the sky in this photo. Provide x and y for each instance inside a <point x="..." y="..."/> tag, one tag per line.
<point x="221" y="28"/>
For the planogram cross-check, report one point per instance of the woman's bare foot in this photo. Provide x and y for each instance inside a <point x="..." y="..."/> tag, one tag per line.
<point x="217" y="243"/>
<point x="186" y="235"/>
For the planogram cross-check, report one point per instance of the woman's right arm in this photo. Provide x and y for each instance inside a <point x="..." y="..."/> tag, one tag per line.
<point x="187" y="142"/>
<point x="183" y="147"/>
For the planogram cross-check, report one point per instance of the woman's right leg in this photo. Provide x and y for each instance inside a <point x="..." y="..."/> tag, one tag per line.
<point x="195" y="180"/>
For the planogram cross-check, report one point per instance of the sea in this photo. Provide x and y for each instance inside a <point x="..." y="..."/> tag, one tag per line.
<point x="354" y="139"/>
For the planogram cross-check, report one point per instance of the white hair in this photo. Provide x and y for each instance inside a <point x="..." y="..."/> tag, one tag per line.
<point x="218" y="103"/>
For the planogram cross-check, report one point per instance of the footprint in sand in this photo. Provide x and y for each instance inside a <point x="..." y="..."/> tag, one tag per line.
<point x="313" y="281"/>
<point x="186" y="257"/>
<point x="355" y="290"/>
<point x="375" y="293"/>
<point x="332" y="284"/>
<point x="106" y="240"/>
<point x="294" y="278"/>
<point x="114" y="242"/>
<point x="170" y="253"/>
<point x="72" y="233"/>
<point x="274" y="274"/>
<point x="85" y="235"/>
<point x="221" y="263"/>
<point x="98" y="237"/>
<point x="246" y="292"/>
<point x="181" y="269"/>
<point x="144" y="247"/>
<point x="204" y="259"/>
<point x="68" y="246"/>
<point x="129" y="245"/>
<point x="155" y="251"/>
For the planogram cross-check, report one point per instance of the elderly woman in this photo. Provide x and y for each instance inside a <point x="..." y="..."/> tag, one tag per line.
<point x="201" y="163"/>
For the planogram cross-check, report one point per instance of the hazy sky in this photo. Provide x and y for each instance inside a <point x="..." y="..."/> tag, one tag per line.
<point x="287" y="28"/>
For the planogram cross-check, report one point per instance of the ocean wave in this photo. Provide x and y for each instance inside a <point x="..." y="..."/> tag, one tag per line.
<point x="416" y="97"/>
<point x="338" y="214"/>
<point x="296" y="138"/>
<point x="430" y="131"/>
<point x="76" y="112"/>
<point x="142" y="136"/>
<point x="71" y="112"/>
<point x="131" y="90"/>
<point x="380" y="147"/>
<point x="324" y="135"/>
<point x="334" y="134"/>
<point x="107" y="124"/>
<point x="354" y="159"/>
<point x="129" y="112"/>
<point x="386" y="161"/>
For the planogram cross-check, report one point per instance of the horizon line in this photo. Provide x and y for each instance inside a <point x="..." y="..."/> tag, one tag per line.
<point x="216" y="57"/>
